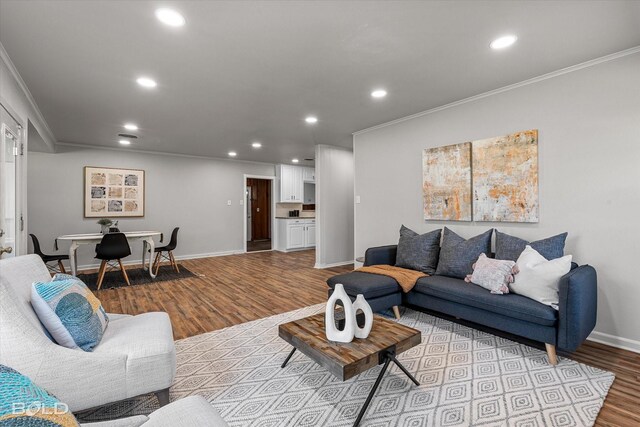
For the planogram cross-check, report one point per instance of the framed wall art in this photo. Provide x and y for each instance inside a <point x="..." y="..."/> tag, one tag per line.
<point x="113" y="193"/>
<point x="505" y="178"/>
<point x="446" y="182"/>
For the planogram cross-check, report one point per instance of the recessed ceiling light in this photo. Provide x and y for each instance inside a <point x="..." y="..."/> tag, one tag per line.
<point x="379" y="93"/>
<point x="295" y="160"/>
<point x="311" y="119"/>
<point x="146" y="82"/>
<point x="502" y="42"/>
<point x="170" y="17"/>
<point x="256" y="144"/>
<point x="130" y="126"/>
<point x="125" y="142"/>
<point x="232" y="154"/>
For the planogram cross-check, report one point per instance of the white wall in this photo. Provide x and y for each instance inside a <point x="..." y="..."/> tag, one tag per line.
<point x="589" y="173"/>
<point x="334" y="206"/>
<point x="188" y="192"/>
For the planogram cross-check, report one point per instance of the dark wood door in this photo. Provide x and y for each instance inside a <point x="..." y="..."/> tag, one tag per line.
<point x="260" y="208"/>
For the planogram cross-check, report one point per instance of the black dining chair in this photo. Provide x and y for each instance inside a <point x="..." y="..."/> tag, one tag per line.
<point x="112" y="247"/>
<point x="169" y="250"/>
<point x="49" y="258"/>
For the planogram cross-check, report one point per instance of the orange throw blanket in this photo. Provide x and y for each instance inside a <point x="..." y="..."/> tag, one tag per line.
<point x="406" y="278"/>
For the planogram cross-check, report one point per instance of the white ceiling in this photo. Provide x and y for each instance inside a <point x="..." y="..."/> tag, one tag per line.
<point x="244" y="71"/>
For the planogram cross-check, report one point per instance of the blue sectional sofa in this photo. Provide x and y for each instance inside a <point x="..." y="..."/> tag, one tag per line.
<point x="564" y="329"/>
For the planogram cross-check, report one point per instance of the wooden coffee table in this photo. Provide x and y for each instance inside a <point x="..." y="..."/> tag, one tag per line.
<point x="346" y="360"/>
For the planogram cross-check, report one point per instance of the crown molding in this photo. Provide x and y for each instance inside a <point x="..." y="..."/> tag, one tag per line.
<point x="158" y="153"/>
<point x="48" y="137"/>
<point x="527" y="82"/>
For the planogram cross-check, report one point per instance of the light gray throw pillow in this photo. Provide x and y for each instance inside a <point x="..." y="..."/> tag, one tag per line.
<point x="418" y="251"/>
<point x="493" y="274"/>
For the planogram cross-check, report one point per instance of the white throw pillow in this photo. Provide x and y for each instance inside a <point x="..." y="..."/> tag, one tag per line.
<point x="539" y="278"/>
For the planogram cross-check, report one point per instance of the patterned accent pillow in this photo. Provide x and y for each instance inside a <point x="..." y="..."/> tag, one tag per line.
<point x="493" y="274"/>
<point x="418" y="251"/>
<point x="24" y="404"/>
<point x="510" y="247"/>
<point x="457" y="254"/>
<point x="71" y="313"/>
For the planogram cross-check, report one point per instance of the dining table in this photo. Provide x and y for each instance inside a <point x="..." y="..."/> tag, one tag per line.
<point x="76" y="240"/>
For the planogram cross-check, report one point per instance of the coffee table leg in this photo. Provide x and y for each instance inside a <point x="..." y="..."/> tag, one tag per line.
<point x="399" y="365"/>
<point x="388" y="358"/>
<point x="372" y="392"/>
<point x="288" y="357"/>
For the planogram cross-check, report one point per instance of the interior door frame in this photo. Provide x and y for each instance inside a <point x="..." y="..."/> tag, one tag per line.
<point x="21" y="246"/>
<point x="274" y="235"/>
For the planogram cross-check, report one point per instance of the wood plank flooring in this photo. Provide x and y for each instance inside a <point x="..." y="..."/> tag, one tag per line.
<point x="230" y="290"/>
<point x="240" y="288"/>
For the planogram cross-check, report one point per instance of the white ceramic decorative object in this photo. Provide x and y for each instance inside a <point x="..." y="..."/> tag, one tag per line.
<point x="333" y="333"/>
<point x="361" y="304"/>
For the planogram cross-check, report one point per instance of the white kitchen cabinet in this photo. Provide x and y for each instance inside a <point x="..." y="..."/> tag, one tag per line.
<point x="291" y="183"/>
<point x="296" y="233"/>
<point x="310" y="235"/>
<point x="309" y="175"/>
<point x="296" y="236"/>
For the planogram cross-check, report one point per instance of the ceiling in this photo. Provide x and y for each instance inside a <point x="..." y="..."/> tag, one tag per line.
<point x="241" y="71"/>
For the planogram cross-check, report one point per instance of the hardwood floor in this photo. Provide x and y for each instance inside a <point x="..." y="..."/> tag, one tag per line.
<point x="229" y="290"/>
<point x="240" y="288"/>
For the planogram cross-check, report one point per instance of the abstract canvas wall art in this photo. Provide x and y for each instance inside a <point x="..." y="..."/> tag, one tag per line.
<point x="113" y="193"/>
<point x="505" y="178"/>
<point x="446" y="182"/>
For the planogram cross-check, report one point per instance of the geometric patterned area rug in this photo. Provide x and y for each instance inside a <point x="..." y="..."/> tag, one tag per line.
<point x="468" y="378"/>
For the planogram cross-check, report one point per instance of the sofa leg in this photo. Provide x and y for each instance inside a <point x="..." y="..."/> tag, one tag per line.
<point x="551" y="353"/>
<point x="396" y="312"/>
<point x="163" y="396"/>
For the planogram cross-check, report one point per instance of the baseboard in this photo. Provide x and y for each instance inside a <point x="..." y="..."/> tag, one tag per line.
<point x="178" y="257"/>
<point x="335" y="264"/>
<point x="614" y="341"/>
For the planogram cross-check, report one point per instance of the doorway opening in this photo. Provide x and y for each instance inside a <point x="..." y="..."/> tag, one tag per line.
<point x="11" y="152"/>
<point x="259" y="214"/>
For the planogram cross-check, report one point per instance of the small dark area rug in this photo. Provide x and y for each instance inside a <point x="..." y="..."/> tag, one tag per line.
<point x="137" y="276"/>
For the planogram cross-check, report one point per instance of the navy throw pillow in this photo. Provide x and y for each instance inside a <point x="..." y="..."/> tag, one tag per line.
<point x="510" y="247"/>
<point x="457" y="254"/>
<point x="418" y="251"/>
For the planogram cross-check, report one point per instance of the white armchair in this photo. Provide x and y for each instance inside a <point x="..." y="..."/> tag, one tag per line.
<point x="136" y="355"/>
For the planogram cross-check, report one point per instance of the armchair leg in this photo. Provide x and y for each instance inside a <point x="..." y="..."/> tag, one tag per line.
<point x="396" y="312"/>
<point x="61" y="266"/>
<point x="101" y="272"/>
<point x="551" y="353"/>
<point x="124" y="272"/>
<point x="163" y="396"/>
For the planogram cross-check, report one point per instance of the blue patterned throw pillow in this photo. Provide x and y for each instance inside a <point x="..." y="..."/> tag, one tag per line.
<point x="24" y="404"/>
<point x="510" y="247"/>
<point x="71" y="313"/>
